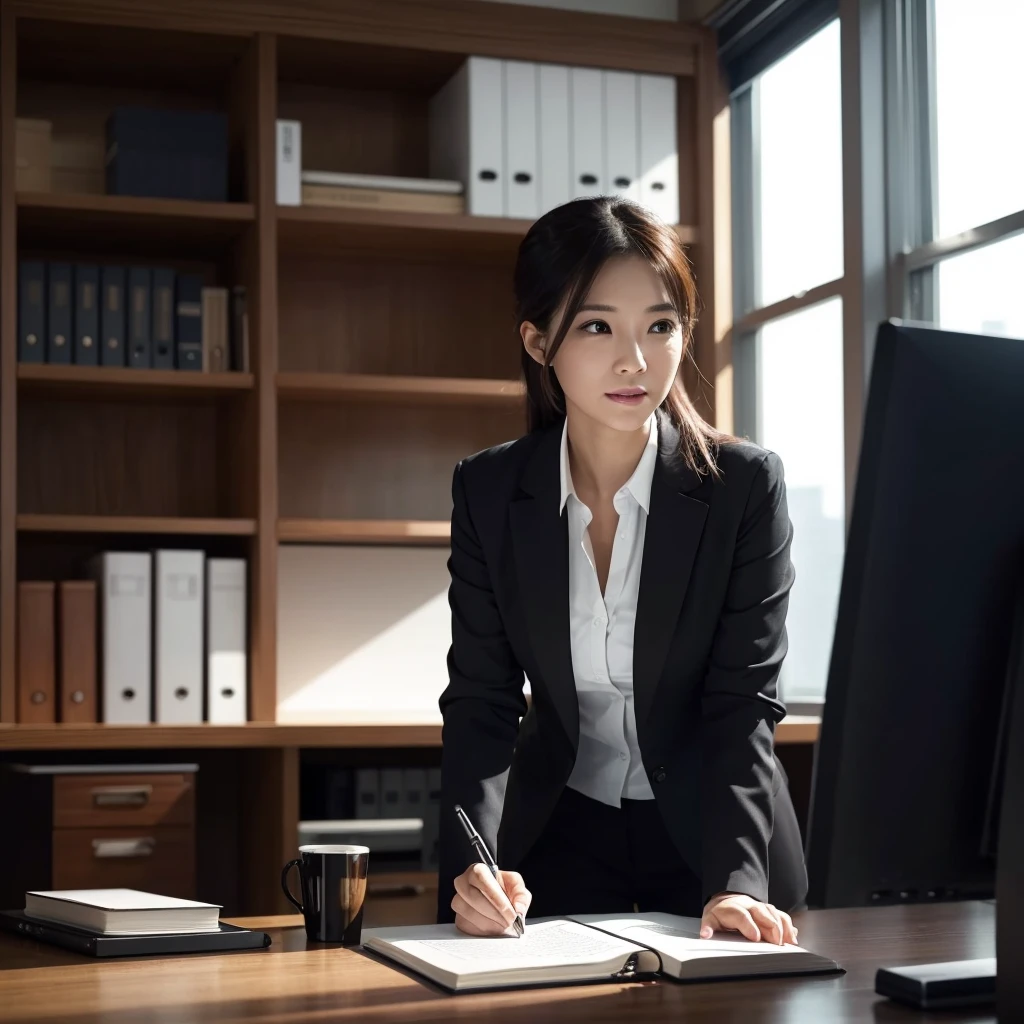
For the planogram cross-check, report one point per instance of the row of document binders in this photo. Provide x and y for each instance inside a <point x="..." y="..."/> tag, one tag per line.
<point x="142" y="317"/>
<point x="155" y="636"/>
<point x="525" y="137"/>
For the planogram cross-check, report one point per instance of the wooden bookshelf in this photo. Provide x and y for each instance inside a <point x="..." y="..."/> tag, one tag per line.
<point x="382" y="387"/>
<point x="152" y="525"/>
<point x="363" y="531"/>
<point x="364" y="324"/>
<point x="111" y="382"/>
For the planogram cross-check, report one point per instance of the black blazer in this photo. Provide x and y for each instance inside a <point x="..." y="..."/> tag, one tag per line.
<point x="708" y="643"/>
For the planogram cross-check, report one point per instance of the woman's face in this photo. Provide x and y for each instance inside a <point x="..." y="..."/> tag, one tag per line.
<point x="622" y="351"/>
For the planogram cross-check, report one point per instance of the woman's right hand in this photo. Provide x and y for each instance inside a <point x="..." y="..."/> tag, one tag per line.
<point x="483" y="904"/>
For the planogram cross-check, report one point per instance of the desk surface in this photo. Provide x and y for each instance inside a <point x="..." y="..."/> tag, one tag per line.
<point x="299" y="984"/>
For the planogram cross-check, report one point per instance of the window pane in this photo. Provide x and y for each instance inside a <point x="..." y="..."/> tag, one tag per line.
<point x="800" y="416"/>
<point x="980" y="292"/>
<point x="979" y="90"/>
<point x="800" y="165"/>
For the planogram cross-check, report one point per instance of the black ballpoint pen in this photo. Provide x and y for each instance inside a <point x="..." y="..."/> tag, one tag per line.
<point x="485" y="858"/>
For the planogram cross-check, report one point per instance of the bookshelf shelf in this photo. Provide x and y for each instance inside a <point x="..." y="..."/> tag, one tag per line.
<point x="439" y="390"/>
<point x="41" y="523"/>
<point x="55" y="218"/>
<point x="327" y="227"/>
<point x="363" y="531"/>
<point x="109" y="381"/>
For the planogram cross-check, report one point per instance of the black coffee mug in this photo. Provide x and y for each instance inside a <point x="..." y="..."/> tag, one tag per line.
<point x="333" y="880"/>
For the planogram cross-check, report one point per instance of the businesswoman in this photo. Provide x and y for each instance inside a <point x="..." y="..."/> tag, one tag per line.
<point x="634" y="563"/>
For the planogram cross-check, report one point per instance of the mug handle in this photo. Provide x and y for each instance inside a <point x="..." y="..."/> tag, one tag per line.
<point x="284" y="883"/>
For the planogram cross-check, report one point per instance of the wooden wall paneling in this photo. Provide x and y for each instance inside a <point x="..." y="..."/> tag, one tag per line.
<point x="438" y="26"/>
<point x="261" y="73"/>
<point x="269" y="818"/>
<point x="386" y="461"/>
<point x="8" y="365"/>
<point x="449" y="319"/>
<point x="689" y="146"/>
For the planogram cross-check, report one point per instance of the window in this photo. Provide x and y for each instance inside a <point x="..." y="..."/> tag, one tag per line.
<point x="965" y="231"/>
<point x="788" y="323"/>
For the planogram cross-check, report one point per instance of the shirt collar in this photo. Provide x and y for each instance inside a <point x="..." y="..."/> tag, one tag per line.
<point x="639" y="484"/>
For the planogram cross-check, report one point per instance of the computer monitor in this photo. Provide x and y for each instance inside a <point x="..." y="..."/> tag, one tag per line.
<point x="907" y="772"/>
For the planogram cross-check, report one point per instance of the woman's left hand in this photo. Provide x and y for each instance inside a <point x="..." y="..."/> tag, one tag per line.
<point x="734" y="912"/>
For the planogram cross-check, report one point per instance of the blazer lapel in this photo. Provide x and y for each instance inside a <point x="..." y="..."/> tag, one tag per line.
<point x="540" y="540"/>
<point x="674" y="527"/>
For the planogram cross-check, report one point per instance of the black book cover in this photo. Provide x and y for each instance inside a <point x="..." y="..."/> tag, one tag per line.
<point x="90" y="943"/>
<point x="58" y="317"/>
<point x="87" y="314"/>
<point x="112" y="318"/>
<point x="140" y="353"/>
<point x="32" y="311"/>
<point x="163" y="319"/>
<point x="189" y="321"/>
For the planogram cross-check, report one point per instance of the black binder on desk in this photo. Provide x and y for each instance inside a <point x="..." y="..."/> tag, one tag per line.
<point x="140" y="353"/>
<point x="87" y="314"/>
<point x="112" y="318"/>
<point x="58" y="291"/>
<point x="92" y="943"/>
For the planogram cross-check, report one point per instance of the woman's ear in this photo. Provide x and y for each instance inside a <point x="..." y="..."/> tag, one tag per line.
<point x="533" y="341"/>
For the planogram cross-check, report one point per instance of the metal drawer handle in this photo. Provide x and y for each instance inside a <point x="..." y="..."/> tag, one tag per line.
<point x="141" y="847"/>
<point x="121" y="796"/>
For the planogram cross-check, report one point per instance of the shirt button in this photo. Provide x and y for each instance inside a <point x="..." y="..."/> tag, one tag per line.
<point x="598" y="622"/>
<point x="622" y="756"/>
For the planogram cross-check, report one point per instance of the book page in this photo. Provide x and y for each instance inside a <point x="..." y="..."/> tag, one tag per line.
<point x="546" y="943"/>
<point x="679" y="937"/>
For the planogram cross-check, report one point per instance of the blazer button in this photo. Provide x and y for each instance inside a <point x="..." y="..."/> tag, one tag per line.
<point x="658" y="774"/>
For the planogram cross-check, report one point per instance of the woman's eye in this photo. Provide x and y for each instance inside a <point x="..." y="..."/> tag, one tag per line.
<point x="596" y="327"/>
<point x="663" y="327"/>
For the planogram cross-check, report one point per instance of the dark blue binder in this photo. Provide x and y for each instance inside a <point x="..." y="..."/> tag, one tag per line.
<point x="189" y="321"/>
<point x="140" y="327"/>
<point x="112" y="318"/>
<point x="32" y="311"/>
<point x="86" y="349"/>
<point x="163" y="319"/>
<point x="58" y="317"/>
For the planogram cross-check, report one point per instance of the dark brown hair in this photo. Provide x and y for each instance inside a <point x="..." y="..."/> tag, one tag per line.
<point x="559" y="259"/>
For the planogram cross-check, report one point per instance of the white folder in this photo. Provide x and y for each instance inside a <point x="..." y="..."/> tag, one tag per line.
<point x="125" y="588"/>
<point x="659" y="157"/>
<point x="467" y="134"/>
<point x="178" y="648"/>
<point x="587" y="114"/>
<point x="621" y="135"/>
<point x="289" y="163"/>
<point x="554" y="164"/>
<point x="227" y="662"/>
<point x="521" y="171"/>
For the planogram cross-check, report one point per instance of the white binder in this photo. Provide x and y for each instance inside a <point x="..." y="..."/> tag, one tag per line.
<point x="659" y="157"/>
<point x="622" y="144"/>
<point x="227" y="660"/>
<point x="467" y="134"/>
<point x="554" y="164"/>
<point x="521" y="171"/>
<point x="178" y="647"/>
<point x="587" y="115"/>
<point x="289" y="163"/>
<point x="125" y="587"/>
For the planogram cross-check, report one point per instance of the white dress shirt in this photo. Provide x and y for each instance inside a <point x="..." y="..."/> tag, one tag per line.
<point x="608" y="763"/>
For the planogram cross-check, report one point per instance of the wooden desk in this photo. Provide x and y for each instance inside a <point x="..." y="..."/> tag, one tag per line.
<point x="299" y="984"/>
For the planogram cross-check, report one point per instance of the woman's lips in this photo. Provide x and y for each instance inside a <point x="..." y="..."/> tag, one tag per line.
<point x="627" y="396"/>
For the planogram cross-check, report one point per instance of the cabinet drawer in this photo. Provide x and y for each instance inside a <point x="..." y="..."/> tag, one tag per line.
<point x="134" y="801"/>
<point x="161" y="860"/>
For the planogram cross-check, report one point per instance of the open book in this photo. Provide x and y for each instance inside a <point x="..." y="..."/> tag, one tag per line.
<point x="589" y="947"/>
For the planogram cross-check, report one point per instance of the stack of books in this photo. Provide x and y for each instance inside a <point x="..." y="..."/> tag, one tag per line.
<point x="126" y="922"/>
<point x="382" y="192"/>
